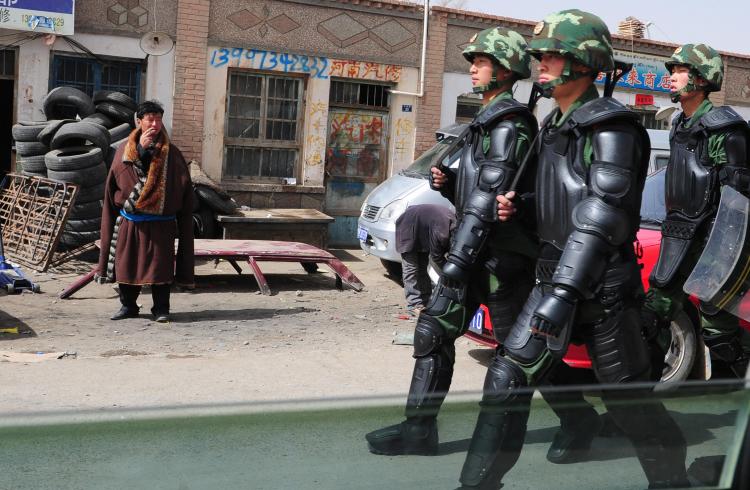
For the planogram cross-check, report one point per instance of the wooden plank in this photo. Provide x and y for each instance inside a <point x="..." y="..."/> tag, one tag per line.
<point x="279" y="216"/>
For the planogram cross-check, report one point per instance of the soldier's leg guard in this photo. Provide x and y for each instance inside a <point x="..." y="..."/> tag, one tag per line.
<point x="728" y="348"/>
<point x="579" y="422"/>
<point x="619" y="354"/>
<point x="501" y="426"/>
<point x="433" y="370"/>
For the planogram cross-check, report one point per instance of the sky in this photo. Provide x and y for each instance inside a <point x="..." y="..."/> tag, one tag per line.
<point x="722" y="24"/>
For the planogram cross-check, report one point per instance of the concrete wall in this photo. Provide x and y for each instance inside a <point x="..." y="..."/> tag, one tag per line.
<point x="34" y="59"/>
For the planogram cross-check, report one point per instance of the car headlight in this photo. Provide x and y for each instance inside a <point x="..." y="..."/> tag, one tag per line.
<point x="392" y="211"/>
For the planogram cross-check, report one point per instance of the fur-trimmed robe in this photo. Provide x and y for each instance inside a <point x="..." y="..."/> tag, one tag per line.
<point x="145" y="252"/>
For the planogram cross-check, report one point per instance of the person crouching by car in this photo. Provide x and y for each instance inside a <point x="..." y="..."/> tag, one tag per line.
<point x="422" y="235"/>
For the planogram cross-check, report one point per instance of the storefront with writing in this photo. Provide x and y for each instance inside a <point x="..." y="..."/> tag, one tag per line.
<point x="291" y="130"/>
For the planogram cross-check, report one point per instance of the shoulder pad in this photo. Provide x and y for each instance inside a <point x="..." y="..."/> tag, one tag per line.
<point x="721" y="117"/>
<point x="499" y="110"/>
<point x="599" y="110"/>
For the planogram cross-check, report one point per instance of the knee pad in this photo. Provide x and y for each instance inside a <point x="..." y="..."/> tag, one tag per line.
<point x="428" y="336"/>
<point x="504" y="377"/>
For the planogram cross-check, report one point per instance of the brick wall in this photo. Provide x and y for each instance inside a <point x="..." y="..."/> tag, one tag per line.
<point x="428" y="108"/>
<point x="190" y="76"/>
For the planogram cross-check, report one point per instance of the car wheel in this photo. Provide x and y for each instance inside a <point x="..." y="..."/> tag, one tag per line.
<point x="678" y="362"/>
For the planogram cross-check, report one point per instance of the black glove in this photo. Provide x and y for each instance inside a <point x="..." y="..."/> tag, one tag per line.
<point x="556" y="310"/>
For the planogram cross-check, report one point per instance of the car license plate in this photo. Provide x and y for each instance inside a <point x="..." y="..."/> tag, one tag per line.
<point x="476" y="323"/>
<point x="361" y="234"/>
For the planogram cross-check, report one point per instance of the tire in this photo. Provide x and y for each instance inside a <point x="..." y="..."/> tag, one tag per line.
<point x="73" y="158"/>
<point x="70" y="133"/>
<point x="66" y="103"/>
<point x="33" y="174"/>
<point x="120" y="132"/>
<point x="116" y="97"/>
<point x="31" y="148"/>
<point x="86" y="211"/>
<point x="678" y="362"/>
<point x="90" y="193"/>
<point x="22" y="132"/>
<point x="392" y="268"/>
<point x="92" y="176"/>
<point x="90" y="224"/>
<point x="45" y="136"/>
<point x="32" y="164"/>
<point x="204" y="223"/>
<point x="76" y="239"/>
<point x="99" y="118"/>
<point x="116" y="112"/>
<point x="213" y="200"/>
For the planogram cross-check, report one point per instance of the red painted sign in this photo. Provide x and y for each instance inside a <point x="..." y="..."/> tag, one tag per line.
<point x="642" y="99"/>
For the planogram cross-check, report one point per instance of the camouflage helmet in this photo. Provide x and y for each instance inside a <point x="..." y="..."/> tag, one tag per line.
<point x="579" y="35"/>
<point x="701" y="59"/>
<point x="506" y="47"/>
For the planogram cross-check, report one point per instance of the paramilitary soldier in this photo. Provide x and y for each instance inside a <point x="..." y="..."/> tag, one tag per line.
<point x="592" y="160"/>
<point x="709" y="149"/>
<point x="499" y="274"/>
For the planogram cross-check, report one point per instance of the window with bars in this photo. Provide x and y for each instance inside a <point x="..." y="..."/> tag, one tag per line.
<point x="371" y="95"/>
<point x="90" y="75"/>
<point x="7" y="63"/>
<point x="263" y="121"/>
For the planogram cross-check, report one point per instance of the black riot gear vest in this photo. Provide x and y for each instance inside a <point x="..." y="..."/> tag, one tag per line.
<point x="472" y="157"/>
<point x="692" y="186"/>
<point x="562" y="177"/>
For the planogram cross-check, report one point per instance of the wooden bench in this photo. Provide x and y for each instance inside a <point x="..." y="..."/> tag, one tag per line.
<point x="300" y="225"/>
<point x="254" y="251"/>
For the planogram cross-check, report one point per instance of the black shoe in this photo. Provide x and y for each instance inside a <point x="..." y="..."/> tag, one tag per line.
<point x="573" y="444"/>
<point x="405" y="438"/>
<point x="161" y="317"/>
<point x="125" y="312"/>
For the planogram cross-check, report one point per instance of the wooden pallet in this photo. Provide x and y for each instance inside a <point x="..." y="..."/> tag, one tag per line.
<point x="33" y="211"/>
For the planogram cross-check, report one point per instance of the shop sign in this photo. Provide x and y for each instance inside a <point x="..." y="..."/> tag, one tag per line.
<point x="643" y="99"/>
<point x="43" y="16"/>
<point x="648" y="72"/>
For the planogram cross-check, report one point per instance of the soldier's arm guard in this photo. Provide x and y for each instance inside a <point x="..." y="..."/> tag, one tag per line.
<point x="480" y="209"/>
<point x="735" y="172"/>
<point x="602" y="223"/>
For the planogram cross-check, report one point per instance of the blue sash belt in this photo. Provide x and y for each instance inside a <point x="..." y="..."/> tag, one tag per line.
<point x="137" y="218"/>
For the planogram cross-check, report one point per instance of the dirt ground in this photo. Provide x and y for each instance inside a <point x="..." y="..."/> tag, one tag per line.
<point x="225" y="342"/>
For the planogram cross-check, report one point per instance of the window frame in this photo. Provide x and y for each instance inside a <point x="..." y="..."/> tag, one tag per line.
<point x="139" y="65"/>
<point x="260" y="142"/>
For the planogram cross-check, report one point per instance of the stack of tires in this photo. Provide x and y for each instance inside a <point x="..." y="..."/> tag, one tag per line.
<point x="76" y="144"/>
<point x="29" y="150"/>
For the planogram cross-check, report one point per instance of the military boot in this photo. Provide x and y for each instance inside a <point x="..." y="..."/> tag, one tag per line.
<point x="572" y="441"/>
<point x="415" y="435"/>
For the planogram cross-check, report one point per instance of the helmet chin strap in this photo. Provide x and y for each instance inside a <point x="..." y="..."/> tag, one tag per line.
<point x="690" y="86"/>
<point x="492" y="85"/>
<point x="567" y="75"/>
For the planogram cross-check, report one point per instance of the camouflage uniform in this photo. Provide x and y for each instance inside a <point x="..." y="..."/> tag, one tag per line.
<point x="488" y="262"/>
<point x="591" y="167"/>
<point x="707" y="150"/>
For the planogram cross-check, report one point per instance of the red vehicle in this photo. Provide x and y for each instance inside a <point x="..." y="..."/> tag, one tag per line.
<point x="687" y="356"/>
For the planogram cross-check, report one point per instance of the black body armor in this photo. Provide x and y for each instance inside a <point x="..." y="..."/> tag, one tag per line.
<point x="480" y="179"/>
<point x="693" y="183"/>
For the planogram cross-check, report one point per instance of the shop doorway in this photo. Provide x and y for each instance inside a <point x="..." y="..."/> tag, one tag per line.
<point x="356" y="153"/>
<point x="7" y="98"/>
